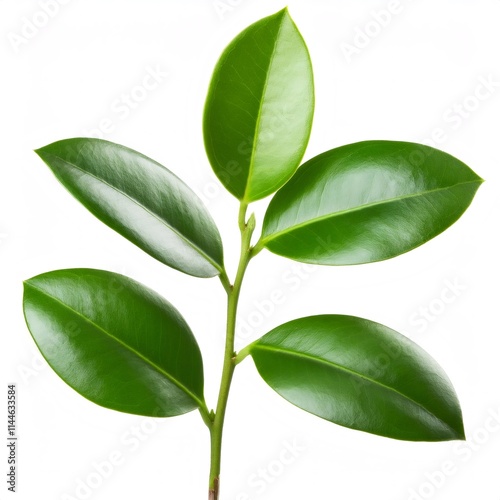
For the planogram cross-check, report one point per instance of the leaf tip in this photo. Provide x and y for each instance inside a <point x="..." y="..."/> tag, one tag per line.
<point x="457" y="429"/>
<point x="41" y="152"/>
<point x="284" y="12"/>
<point x="26" y="289"/>
<point x="461" y="433"/>
<point x="27" y="283"/>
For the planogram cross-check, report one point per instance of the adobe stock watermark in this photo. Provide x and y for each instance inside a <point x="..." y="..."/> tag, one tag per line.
<point x="275" y="124"/>
<point x="33" y="24"/>
<point x="104" y="468"/>
<point x="123" y="105"/>
<point x="367" y="32"/>
<point x="265" y="476"/>
<point x="457" y="114"/>
<point x="463" y="452"/>
<point x="224" y="7"/>
<point x="428" y="313"/>
<point x="262" y="309"/>
<point x="293" y="278"/>
<point x="30" y="370"/>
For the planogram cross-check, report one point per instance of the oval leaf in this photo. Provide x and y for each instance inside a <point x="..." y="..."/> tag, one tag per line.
<point x="259" y="108"/>
<point x="362" y="375"/>
<point x="141" y="200"/>
<point x="366" y="202"/>
<point x="115" y="341"/>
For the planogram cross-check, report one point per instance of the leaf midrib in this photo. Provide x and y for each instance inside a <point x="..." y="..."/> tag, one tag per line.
<point x="259" y="113"/>
<point x="131" y="349"/>
<point x="138" y="203"/>
<point x="350" y="372"/>
<point x="321" y="218"/>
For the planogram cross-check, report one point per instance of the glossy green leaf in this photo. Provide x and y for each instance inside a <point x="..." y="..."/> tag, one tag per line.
<point x="141" y="200"/>
<point x="366" y="202"/>
<point x="115" y="341"/>
<point x="259" y="108"/>
<point x="361" y="375"/>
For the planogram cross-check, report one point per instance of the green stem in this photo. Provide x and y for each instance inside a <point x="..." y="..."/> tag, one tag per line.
<point x="229" y="363"/>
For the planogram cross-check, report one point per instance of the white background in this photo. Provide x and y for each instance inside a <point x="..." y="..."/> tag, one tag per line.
<point x="407" y="81"/>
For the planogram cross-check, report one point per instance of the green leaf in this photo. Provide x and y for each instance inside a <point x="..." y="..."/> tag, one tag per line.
<point x="366" y="202"/>
<point x="115" y="341"/>
<point x="141" y="200"/>
<point x="259" y="108"/>
<point x="362" y="375"/>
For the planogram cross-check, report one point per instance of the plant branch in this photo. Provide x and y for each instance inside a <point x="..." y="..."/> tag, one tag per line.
<point x="256" y="248"/>
<point x="205" y="415"/>
<point x="225" y="281"/>
<point x="246" y="229"/>
<point x="241" y="355"/>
